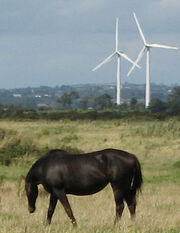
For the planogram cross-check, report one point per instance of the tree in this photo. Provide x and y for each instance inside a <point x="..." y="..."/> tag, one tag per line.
<point x="133" y="102"/>
<point x="67" y="98"/>
<point x="64" y="100"/>
<point x="84" y="101"/>
<point x="123" y="106"/>
<point x="103" y="101"/>
<point x="175" y="93"/>
<point x="174" y="101"/>
<point x="156" y="105"/>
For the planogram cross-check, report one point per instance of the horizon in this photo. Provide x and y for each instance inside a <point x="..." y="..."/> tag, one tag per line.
<point x="96" y="84"/>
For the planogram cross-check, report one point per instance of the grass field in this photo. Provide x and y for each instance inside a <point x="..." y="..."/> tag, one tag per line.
<point x="156" y="144"/>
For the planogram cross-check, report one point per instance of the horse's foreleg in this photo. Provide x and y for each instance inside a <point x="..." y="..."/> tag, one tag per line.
<point x="118" y="197"/>
<point x="52" y="206"/>
<point x="64" y="201"/>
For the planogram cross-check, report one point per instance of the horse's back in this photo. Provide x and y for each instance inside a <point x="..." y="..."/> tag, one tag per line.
<point x="77" y="174"/>
<point x="83" y="173"/>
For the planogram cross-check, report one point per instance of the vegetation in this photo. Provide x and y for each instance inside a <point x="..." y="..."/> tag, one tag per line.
<point x="156" y="143"/>
<point x="103" y="108"/>
<point x="103" y="102"/>
<point x="46" y="97"/>
<point x="67" y="98"/>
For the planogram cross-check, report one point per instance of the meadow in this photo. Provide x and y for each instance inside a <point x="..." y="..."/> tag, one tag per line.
<point x="156" y="144"/>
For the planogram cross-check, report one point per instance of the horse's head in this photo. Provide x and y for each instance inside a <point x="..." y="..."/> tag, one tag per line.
<point x="32" y="193"/>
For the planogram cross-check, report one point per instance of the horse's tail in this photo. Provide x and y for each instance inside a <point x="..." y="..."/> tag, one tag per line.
<point x="137" y="180"/>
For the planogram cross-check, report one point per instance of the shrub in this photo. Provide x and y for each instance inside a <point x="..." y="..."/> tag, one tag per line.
<point x="15" y="149"/>
<point x="177" y="164"/>
<point x="156" y="105"/>
<point x="70" y="138"/>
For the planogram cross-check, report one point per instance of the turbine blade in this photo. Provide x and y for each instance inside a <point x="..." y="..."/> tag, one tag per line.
<point x="116" y="34"/>
<point x="162" y="46"/>
<point x="140" y="30"/>
<point x="108" y="59"/>
<point x="137" y="60"/>
<point x="127" y="58"/>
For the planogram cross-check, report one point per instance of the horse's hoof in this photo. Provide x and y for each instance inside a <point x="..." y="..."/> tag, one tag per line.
<point x="31" y="209"/>
<point x="74" y="224"/>
<point x="47" y="223"/>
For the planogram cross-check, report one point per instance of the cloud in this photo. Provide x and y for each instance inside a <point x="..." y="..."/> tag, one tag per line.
<point x="165" y="11"/>
<point x="172" y="4"/>
<point x="67" y="8"/>
<point x="58" y="41"/>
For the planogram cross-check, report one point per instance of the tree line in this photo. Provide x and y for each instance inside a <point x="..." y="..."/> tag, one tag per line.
<point x="100" y="107"/>
<point x="105" y="101"/>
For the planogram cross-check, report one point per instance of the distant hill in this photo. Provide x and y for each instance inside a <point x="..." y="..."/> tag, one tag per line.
<point x="44" y="96"/>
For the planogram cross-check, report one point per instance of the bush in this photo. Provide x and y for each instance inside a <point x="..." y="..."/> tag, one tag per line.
<point x="70" y="138"/>
<point x="15" y="149"/>
<point x="156" y="106"/>
<point x="177" y="164"/>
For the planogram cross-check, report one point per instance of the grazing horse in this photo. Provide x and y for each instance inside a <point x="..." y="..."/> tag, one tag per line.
<point x="62" y="173"/>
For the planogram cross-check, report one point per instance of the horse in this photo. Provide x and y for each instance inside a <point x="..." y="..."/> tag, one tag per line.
<point x="63" y="173"/>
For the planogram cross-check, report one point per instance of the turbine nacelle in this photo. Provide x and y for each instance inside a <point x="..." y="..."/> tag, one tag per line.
<point x="146" y="48"/>
<point x="144" y="39"/>
<point x="119" y="54"/>
<point x="116" y="52"/>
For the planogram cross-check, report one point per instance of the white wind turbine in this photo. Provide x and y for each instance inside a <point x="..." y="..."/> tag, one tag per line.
<point x="146" y="48"/>
<point x="119" y="55"/>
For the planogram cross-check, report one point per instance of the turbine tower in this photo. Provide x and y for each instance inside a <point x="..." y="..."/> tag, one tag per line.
<point x="119" y="54"/>
<point x="146" y="48"/>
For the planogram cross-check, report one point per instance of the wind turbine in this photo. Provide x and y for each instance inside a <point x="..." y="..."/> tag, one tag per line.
<point x="146" y="48"/>
<point x="119" y="54"/>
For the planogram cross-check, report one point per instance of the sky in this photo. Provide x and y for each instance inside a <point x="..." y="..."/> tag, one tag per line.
<point x="59" y="42"/>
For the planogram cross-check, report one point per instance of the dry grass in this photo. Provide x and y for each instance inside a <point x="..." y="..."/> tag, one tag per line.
<point x="157" y="211"/>
<point x="157" y="145"/>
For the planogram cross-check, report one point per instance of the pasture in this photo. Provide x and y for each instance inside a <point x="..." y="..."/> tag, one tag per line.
<point x="156" y="144"/>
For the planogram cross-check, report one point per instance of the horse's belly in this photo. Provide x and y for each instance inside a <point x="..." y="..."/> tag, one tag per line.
<point x="79" y="189"/>
<point x="85" y="179"/>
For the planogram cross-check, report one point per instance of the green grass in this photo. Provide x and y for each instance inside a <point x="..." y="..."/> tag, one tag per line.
<point x="157" y="145"/>
<point x="12" y="173"/>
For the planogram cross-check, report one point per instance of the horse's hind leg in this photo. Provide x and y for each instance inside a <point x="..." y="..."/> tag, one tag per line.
<point x="64" y="201"/>
<point x="52" y="206"/>
<point x="118" y="197"/>
<point x="131" y="202"/>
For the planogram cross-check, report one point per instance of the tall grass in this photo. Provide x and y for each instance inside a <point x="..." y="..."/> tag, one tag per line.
<point x="157" y="145"/>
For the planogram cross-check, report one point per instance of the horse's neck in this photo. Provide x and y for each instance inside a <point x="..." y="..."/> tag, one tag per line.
<point x="33" y="176"/>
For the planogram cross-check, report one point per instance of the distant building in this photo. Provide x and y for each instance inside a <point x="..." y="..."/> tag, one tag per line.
<point x="47" y="95"/>
<point x="43" y="106"/>
<point x="17" y="95"/>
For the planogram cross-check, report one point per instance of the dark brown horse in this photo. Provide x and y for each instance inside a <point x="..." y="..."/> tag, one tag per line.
<point x="62" y="173"/>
